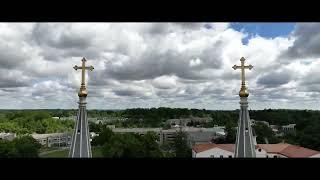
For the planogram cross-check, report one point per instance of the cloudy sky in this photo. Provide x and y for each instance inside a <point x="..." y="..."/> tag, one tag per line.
<point x="159" y="64"/>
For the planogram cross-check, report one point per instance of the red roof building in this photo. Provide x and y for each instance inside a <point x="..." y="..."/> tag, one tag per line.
<point x="262" y="150"/>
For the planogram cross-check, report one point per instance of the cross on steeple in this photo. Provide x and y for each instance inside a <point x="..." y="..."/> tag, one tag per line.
<point x="83" y="91"/>
<point x="243" y="92"/>
<point x="80" y="142"/>
<point x="245" y="146"/>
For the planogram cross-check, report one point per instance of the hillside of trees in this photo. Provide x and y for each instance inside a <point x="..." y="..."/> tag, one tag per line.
<point x="41" y="121"/>
<point x="132" y="145"/>
<point x="28" y="122"/>
<point x="24" y="146"/>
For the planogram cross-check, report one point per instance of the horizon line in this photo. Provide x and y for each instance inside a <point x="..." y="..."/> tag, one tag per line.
<point x="158" y="108"/>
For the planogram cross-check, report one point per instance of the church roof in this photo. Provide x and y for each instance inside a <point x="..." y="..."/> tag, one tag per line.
<point x="288" y="150"/>
<point x="285" y="149"/>
<point x="204" y="147"/>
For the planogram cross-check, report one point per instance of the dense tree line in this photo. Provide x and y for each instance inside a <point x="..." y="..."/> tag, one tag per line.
<point x="131" y="145"/>
<point x="40" y="121"/>
<point x="156" y="117"/>
<point x="28" y="122"/>
<point x="127" y="145"/>
<point x="307" y="125"/>
<point x="24" y="146"/>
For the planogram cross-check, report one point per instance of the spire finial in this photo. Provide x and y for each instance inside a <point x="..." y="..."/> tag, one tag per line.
<point x="243" y="91"/>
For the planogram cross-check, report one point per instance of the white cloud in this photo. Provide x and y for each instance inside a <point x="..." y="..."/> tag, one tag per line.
<point x="151" y="64"/>
<point x="195" y="62"/>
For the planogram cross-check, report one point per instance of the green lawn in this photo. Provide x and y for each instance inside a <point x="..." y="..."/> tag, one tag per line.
<point x="96" y="152"/>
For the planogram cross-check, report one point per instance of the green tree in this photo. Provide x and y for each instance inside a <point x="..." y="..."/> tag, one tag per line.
<point x="180" y="145"/>
<point x="310" y="136"/>
<point x="26" y="146"/>
<point x="263" y="131"/>
<point x="123" y="145"/>
<point x="230" y="134"/>
<point x="7" y="149"/>
<point x="104" y="137"/>
<point x="151" y="147"/>
<point x="130" y="145"/>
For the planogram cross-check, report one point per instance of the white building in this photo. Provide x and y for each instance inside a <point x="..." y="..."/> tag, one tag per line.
<point x="53" y="139"/>
<point x="213" y="151"/>
<point x="281" y="150"/>
<point x="92" y="135"/>
<point x="275" y="128"/>
<point x="102" y="120"/>
<point x="68" y="118"/>
<point x="184" y="121"/>
<point x="7" y="136"/>
<point x="253" y="122"/>
<point x="288" y="128"/>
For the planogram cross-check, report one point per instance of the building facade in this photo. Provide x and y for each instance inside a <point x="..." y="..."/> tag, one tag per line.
<point x="54" y="139"/>
<point x="184" y="121"/>
<point x="7" y="136"/>
<point x="290" y="128"/>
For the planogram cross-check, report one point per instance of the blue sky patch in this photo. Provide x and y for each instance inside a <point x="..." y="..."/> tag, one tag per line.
<point x="267" y="30"/>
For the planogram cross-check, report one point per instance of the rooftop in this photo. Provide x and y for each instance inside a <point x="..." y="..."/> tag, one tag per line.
<point x="204" y="147"/>
<point x="40" y="136"/>
<point x="285" y="149"/>
<point x="288" y="150"/>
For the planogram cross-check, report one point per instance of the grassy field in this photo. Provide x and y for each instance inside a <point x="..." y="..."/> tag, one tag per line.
<point x="96" y="152"/>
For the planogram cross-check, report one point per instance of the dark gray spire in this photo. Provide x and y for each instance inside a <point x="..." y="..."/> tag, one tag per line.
<point x="245" y="142"/>
<point x="80" y="145"/>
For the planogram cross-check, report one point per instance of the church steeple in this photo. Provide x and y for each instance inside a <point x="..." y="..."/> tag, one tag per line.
<point x="245" y="145"/>
<point x="80" y="145"/>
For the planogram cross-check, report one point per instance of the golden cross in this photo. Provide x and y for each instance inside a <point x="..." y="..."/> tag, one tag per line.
<point x="243" y="92"/>
<point x="83" y="91"/>
<point x="242" y="67"/>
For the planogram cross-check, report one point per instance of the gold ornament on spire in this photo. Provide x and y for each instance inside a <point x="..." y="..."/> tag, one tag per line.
<point x="83" y="90"/>
<point x="243" y="91"/>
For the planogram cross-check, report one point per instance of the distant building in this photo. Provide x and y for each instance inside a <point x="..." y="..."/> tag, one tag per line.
<point x="7" y="136"/>
<point x="281" y="150"/>
<point x="54" y="139"/>
<point x="275" y="128"/>
<point x="102" y="120"/>
<point x="68" y="118"/>
<point x="253" y="122"/>
<point x="203" y="135"/>
<point x="195" y="135"/>
<point x="211" y="150"/>
<point x="184" y="121"/>
<point x="92" y="135"/>
<point x="283" y="130"/>
<point x="55" y="117"/>
<point x="288" y="128"/>
<point x="98" y="122"/>
<point x="111" y="126"/>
